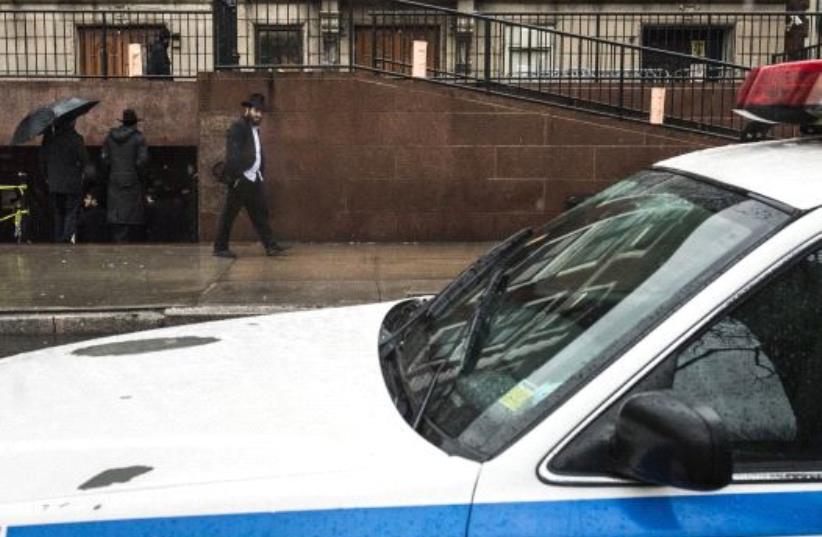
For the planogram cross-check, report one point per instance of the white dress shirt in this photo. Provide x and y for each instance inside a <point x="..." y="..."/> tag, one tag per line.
<point x="253" y="173"/>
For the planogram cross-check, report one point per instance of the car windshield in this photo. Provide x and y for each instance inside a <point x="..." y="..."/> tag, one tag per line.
<point x="566" y="302"/>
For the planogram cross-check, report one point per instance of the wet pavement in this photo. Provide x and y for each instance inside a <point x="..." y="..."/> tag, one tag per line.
<point x="16" y="344"/>
<point x="186" y="281"/>
<point x="36" y="278"/>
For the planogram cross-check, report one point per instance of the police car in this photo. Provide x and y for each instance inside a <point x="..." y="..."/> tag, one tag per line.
<point x="650" y="363"/>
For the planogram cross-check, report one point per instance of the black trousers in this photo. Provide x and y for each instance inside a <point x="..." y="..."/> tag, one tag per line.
<point x="64" y="209"/>
<point x="251" y="196"/>
<point x="121" y="233"/>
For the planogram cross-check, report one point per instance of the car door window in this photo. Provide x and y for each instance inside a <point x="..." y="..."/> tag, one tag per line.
<point x="759" y="366"/>
<point x="728" y="370"/>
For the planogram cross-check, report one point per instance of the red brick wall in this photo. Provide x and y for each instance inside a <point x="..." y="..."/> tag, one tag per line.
<point x="361" y="158"/>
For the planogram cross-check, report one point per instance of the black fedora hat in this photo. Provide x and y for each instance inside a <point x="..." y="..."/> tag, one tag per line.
<point x="129" y="117"/>
<point x="255" y="100"/>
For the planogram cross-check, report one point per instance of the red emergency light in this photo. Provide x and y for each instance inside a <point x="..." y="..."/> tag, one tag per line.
<point x="783" y="93"/>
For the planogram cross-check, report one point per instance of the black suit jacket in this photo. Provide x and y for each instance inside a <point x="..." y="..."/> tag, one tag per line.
<point x="158" y="61"/>
<point x="239" y="149"/>
<point x="63" y="159"/>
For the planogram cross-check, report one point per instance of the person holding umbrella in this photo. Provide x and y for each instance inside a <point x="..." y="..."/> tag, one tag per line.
<point x="43" y="118"/>
<point x="63" y="159"/>
<point x="125" y="155"/>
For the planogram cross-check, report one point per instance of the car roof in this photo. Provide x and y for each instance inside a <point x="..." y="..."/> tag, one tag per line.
<point x="787" y="171"/>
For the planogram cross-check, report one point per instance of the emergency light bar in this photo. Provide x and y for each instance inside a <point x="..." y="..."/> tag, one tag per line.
<point x="783" y="93"/>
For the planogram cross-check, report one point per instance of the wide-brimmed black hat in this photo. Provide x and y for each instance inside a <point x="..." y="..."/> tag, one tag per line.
<point x="256" y="100"/>
<point x="129" y="117"/>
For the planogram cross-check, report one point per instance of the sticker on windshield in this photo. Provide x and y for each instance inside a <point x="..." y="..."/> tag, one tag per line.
<point x="526" y="393"/>
<point x="518" y="396"/>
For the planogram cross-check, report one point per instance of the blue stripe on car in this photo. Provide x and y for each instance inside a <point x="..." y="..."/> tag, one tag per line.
<point x="717" y="515"/>
<point x="732" y="515"/>
<point x="433" y="521"/>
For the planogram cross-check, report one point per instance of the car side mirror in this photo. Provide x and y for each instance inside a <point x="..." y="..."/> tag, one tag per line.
<point x="663" y="440"/>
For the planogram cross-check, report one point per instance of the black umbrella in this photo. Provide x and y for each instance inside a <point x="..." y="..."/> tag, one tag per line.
<point x="32" y="125"/>
<point x="72" y="107"/>
<point x="36" y="122"/>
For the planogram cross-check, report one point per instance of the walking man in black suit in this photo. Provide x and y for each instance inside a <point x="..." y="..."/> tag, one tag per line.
<point x="244" y="167"/>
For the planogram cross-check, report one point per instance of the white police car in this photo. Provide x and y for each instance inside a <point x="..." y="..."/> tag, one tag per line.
<point x="650" y="363"/>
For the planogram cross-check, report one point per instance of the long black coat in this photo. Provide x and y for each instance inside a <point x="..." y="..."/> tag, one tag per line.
<point x="124" y="156"/>
<point x="63" y="158"/>
<point x="239" y="149"/>
<point x="158" y="61"/>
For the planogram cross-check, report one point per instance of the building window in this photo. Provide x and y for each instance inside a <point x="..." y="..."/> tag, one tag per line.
<point x="279" y="45"/>
<point x="464" y="35"/>
<point x="701" y="41"/>
<point x="392" y="48"/>
<point x="529" y="52"/>
<point x="104" y="50"/>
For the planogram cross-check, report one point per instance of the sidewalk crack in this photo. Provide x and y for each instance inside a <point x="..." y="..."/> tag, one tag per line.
<point x="214" y="283"/>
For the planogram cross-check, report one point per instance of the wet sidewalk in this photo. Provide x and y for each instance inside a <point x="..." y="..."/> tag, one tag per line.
<point x="88" y="289"/>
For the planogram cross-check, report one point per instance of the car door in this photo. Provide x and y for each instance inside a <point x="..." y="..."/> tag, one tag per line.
<point x="757" y="363"/>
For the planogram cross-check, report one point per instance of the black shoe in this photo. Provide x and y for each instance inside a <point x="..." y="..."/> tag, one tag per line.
<point x="225" y="253"/>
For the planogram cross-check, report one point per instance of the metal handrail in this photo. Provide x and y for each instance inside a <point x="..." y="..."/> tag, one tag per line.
<point x="495" y="54"/>
<point x="106" y="11"/>
<point x="593" y="39"/>
<point x="656" y="13"/>
<point x="573" y="76"/>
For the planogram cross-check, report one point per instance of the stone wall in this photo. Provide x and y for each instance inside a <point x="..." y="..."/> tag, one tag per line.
<point x="363" y="158"/>
<point x="168" y="109"/>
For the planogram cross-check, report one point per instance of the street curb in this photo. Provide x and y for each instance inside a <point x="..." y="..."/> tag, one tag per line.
<point x="31" y="324"/>
<point x="91" y="323"/>
<point x="105" y="323"/>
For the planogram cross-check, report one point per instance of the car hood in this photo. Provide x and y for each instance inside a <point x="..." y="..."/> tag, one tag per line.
<point x="295" y="394"/>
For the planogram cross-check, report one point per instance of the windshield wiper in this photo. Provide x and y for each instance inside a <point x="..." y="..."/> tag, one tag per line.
<point x="467" y="279"/>
<point x="473" y="339"/>
<point x="479" y="321"/>
<point x="428" y="392"/>
<point x="475" y="272"/>
<point x="476" y="330"/>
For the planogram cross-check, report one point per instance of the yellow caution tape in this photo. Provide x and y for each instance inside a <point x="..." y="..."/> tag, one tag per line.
<point x="21" y="188"/>
<point x="17" y="215"/>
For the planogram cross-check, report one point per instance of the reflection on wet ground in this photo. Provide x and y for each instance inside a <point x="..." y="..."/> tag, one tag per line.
<point x="104" y="276"/>
<point x="89" y="277"/>
<point x="41" y="279"/>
